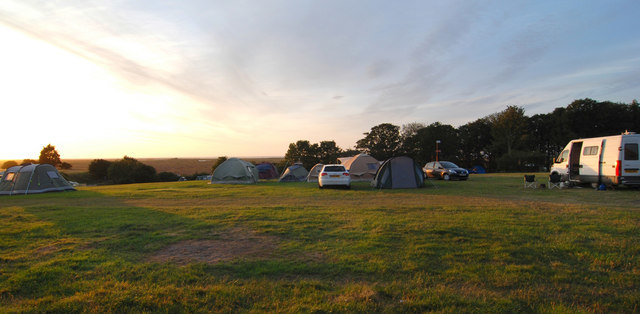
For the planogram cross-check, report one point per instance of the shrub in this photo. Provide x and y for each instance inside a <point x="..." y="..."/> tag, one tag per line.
<point x="167" y="177"/>
<point x="130" y="170"/>
<point x="99" y="168"/>
<point x="8" y="164"/>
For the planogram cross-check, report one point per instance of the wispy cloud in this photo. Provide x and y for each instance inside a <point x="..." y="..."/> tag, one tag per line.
<point x="245" y="67"/>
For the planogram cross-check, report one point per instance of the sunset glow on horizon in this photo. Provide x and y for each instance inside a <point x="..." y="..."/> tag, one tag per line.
<point x="201" y="79"/>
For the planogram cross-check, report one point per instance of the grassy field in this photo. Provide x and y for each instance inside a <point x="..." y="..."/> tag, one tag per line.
<point x="485" y="245"/>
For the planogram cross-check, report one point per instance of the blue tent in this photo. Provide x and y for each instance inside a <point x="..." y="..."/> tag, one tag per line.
<point x="477" y="169"/>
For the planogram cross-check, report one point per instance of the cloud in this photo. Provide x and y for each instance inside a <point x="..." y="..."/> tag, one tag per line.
<point x="245" y="67"/>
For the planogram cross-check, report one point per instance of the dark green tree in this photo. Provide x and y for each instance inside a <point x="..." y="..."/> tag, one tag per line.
<point x="425" y="143"/>
<point x="303" y="152"/>
<point x="590" y="118"/>
<point x="49" y="155"/>
<point x="218" y="162"/>
<point x="328" y="152"/>
<point x="166" y="176"/>
<point x="475" y="143"/>
<point x="508" y="129"/>
<point x="28" y="161"/>
<point x="130" y="170"/>
<point x="382" y="142"/>
<point x="8" y="164"/>
<point x="98" y="169"/>
<point x="408" y="137"/>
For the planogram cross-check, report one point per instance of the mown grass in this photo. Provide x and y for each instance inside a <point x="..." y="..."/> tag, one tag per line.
<point x="485" y="245"/>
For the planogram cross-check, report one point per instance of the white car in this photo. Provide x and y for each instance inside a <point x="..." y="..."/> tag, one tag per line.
<point x="334" y="175"/>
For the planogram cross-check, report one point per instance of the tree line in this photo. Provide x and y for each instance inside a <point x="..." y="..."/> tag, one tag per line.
<point x="48" y="155"/>
<point x="504" y="141"/>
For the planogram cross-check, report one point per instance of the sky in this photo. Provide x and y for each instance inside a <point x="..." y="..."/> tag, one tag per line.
<point x="202" y="78"/>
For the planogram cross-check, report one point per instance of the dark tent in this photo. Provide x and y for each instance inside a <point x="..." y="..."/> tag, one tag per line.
<point x="295" y="173"/>
<point x="398" y="173"/>
<point x="267" y="171"/>
<point x="32" y="179"/>
<point x="477" y="169"/>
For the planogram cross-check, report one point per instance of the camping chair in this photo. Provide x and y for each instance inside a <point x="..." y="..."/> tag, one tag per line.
<point x="529" y="181"/>
<point x="555" y="181"/>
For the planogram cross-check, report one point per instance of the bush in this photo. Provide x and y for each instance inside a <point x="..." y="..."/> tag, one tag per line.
<point x="197" y="174"/>
<point x="99" y="168"/>
<point x="167" y="177"/>
<point x="130" y="170"/>
<point x="8" y="164"/>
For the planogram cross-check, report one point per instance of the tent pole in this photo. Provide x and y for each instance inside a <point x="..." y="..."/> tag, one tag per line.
<point x="13" y="186"/>
<point x="30" y="177"/>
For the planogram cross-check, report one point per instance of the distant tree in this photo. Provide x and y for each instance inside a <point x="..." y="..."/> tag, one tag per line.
<point x="130" y="170"/>
<point x="382" y="142"/>
<point x="65" y="166"/>
<point x="195" y="175"/>
<point x="328" y="152"/>
<point x="590" y="118"/>
<point x="8" y="164"/>
<point x="425" y="143"/>
<point x="98" y="169"/>
<point x="28" y="161"/>
<point x="218" y="162"/>
<point x="349" y="152"/>
<point x="168" y="176"/>
<point x="408" y="138"/>
<point x="508" y="129"/>
<point x="304" y="152"/>
<point x="49" y="155"/>
<point x="475" y="143"/>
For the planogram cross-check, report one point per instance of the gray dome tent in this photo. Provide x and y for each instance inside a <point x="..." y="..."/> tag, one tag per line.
<point x="235" y="171"/>
<point x="33" y="179"/>
<point x="295" y="173"/>
<point x="398" y="173"/>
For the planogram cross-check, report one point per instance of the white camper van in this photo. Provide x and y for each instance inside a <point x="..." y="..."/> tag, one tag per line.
<point x="610" y="160"/>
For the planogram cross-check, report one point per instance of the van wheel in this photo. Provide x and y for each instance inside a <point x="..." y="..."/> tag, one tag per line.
<point x="446" y="177"/>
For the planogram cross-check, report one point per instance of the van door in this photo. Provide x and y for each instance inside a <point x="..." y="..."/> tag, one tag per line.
<point x="574" y="161"/>
<point x="630" y="161"/>
<point x="601" y="160"/>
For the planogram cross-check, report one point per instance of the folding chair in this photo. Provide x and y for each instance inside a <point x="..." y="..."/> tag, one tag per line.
<point x="555" y="181"/>
<point x="530" y="181"/>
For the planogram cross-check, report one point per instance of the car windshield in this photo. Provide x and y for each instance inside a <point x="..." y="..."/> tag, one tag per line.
<point x="448" y="165"/>
<point x="334" y="169"/>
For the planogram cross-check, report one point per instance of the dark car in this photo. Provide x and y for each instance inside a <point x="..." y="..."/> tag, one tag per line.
<point x="445" y="170"/>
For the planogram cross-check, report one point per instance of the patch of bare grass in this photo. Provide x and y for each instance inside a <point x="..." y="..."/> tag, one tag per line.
<point x="236" y="243"/>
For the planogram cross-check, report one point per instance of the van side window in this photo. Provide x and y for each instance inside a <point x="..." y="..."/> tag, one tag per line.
<point x="590" y="150"/>
<point x="631" y="151"/>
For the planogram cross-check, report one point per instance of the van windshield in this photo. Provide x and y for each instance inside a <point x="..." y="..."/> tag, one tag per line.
<point x="562" y="157"/>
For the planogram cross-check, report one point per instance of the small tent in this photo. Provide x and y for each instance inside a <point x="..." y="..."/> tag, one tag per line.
<point x="477" y="169"/>
<point x="32" y="179"/>
<point x="399" y="173"/>
<point x="362" y="167"/>
<point x="295" y="173"/>
<point x="314" y="173"/>
<point x="235" y="171"/>
<point x="267" y="170"/>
